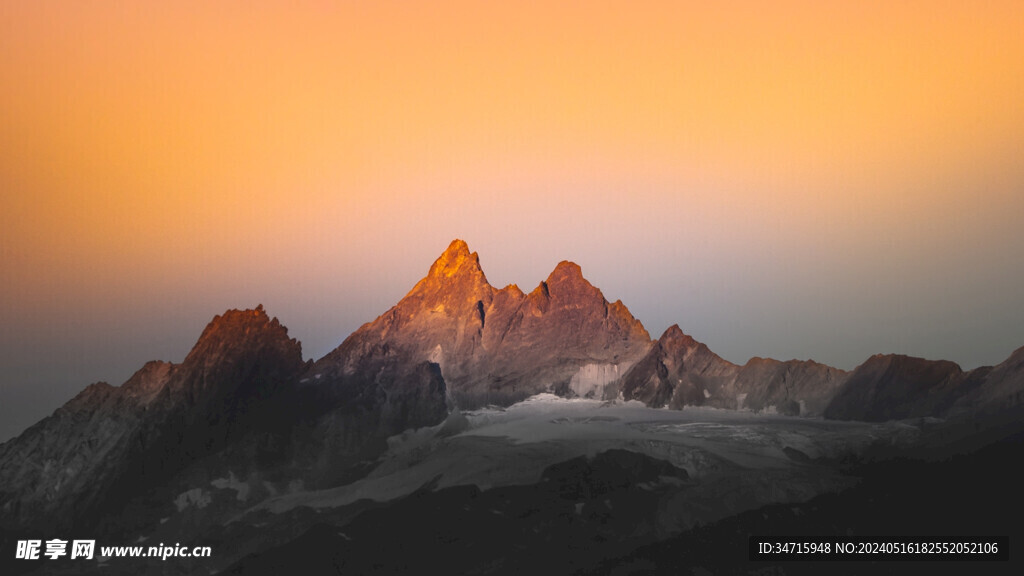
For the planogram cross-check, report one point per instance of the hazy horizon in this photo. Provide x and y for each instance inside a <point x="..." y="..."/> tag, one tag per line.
<point x="793" y="180"/>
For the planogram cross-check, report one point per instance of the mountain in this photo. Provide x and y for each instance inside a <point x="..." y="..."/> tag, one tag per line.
<point x="244" y="406"/>
<point x="894" y="386"/>
<point x="794" y="387"/>
<point x="1002" y="388"/>
<point x="678" y="371"/>
<point x="109" y="441"/>
<point x="499" y="346"/>
<point x="246" y="445"/>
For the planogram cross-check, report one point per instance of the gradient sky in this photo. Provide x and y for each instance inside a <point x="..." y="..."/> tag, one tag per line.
<point x="792" y="179"/>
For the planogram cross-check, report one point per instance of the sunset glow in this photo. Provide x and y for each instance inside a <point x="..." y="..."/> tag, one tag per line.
<point x="792" y="178"/>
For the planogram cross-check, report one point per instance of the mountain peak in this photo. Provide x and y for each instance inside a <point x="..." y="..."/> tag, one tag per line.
<point x="676" y="340"/>
<point x="496" y="346"/>
<point x="455" y="276"/>
<point x="235" y="322"/>
<point x="456" y="258"/>
<point x="673" y="332"/>
<point x="235" y="342"/>
<point x="566" y="270"/>
<point x="567" y="281"/>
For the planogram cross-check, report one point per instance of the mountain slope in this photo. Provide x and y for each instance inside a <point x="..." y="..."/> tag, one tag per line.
<point x="678" y="371"/>
<point x="108" y="439"/>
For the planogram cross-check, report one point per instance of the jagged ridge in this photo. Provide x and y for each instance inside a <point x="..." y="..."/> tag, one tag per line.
<point x="680" y="371"/>
<point x="106" y="439"/>
<point x="497" y="346"/>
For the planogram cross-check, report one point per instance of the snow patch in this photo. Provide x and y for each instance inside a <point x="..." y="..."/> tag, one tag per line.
<point x="241" y="488"/>
<point x="195" y="497"/>
<point x="436" y="355"/>
<point x="740" y="398"/>
<point x="591" y="380"/>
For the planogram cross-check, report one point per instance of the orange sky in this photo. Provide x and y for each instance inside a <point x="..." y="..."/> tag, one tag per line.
<point x="738" y="167"/>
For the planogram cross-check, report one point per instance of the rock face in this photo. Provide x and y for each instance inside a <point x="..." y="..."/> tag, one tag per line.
<point x="891" y="386"/>
<point x="342" y="420"/>
<point x="794" y="387"/>
<point x="110" y="439"/>
<point x="498" y="346"/>
<point x="1002" y="387"/>
<point x="678" y="371"/>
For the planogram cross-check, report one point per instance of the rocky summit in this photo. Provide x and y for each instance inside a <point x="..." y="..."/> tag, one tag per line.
<point x="499" y="346"/>
<point x="111" y="441"/>
<point x="679" y="371"/>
